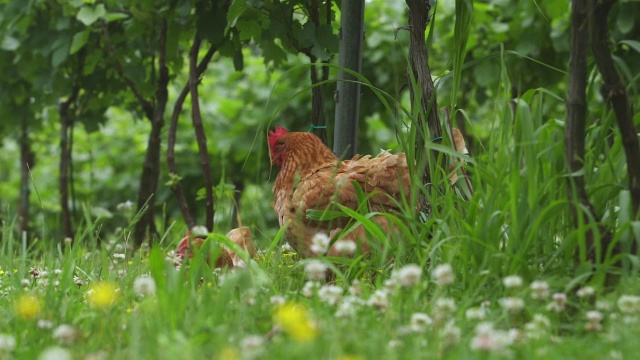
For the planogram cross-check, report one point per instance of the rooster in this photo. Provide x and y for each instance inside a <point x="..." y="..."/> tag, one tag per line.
<point x="228" y="258"/>
<point x="312" y="177"/>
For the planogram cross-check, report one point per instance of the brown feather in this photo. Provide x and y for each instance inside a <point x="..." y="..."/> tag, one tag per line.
<point x="312" y="177"/>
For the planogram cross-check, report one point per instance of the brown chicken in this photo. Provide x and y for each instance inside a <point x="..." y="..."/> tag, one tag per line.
<point x="312" y="177"/>
<point x="228" y="258"/>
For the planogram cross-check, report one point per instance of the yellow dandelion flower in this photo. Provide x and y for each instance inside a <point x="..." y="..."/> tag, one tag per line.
<point x="28" y="307"/>
<point x="102" y="294"/>
<point x="1" y="272"/>
<point x="350" y="357"/>
<point x="229" y="353"/>
<point x="295" y="321"/>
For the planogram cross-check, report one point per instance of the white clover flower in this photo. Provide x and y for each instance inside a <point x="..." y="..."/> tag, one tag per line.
<point x="44" y="273"/>
<point x="475" y="313"/>
<point x="65" y="334"/>
<point x="57" y="271"/>
<point x="98" y="355"/>
<point x="514" y="335"/>
<point x="173" y="258"/>
<point x="124" y="206"/>
<point x="513" y="281"/>
<point x="594" y="316"/>
<point x="7" y="343"/>
<point x="379" y="299"/>
<point x="55" y="353"/>
<point x="44" y="324"/>
<point x="249" y="296"/>
<point x="320" y="243"/>
<point x="443" y="274"/>
<point x="277" y="300"/>
<point x="349" y="306"/>
<point x="512" y="304"/>
<point x="445" y="305"/>
<point x="119" y="256"/>
<point x="25" y="282"/>
<point x="594" y="321"/>
<point x="559" y="302"/>
<point x="310" y="288"/>
<point x="450" y="334"/>
<point x="286" y="248"/>
<point x="539" y="289"/>
<point x="420" y="322"/>
<point x="489" y="339"/>
<point x="199" y="231"/>
<point x="394" y="343"/>
<point x="355" y="288"/>
<point x="78" y="281"/>
<point x="252" y="345"/>
<point x="538" y="327"/>
<point x="629" y="304"/>
<point x="409" y="275"/>
<point x="315" y="270"/>
<point x="144" y="286"/>
<point x="67" y="241"/>
<point x="330" y="294"/>
<point x="604" y="305"/>
<point x="586" y="292"/>
<point x="345" y="247"/>
<point x="391" y="284"/>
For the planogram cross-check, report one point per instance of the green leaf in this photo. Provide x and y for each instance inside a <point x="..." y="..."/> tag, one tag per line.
<point x="59" y="56"/>
<point x="308" y="35"/>
<point x="272" y="52"/>
<point x="635" y="45"/>
<point x="238" y="60"/>
<point x="235" y="10"/>
<point x="555" y="9"/>
<point x="9" y="43"/>
<point x="327" y="38"/>
<point x="115" y="16"/>
<point x="249" y="29"/>
<point x="88" y="15"/>
<point x="78" y="41"/>
<point x="625" y="21"/>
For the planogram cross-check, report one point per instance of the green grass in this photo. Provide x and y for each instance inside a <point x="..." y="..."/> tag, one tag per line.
<point x="518" y="222"/>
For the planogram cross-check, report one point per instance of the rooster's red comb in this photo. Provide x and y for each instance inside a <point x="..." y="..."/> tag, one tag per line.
<point x="274" y="135"/>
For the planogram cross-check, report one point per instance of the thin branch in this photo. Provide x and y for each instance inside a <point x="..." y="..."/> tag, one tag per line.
<point x="171" y="141"/>
<point x="200" y="134"/>
<point x="146" y="105"/>
<point x="66" y="121"/>
<point x="422" y="87"/>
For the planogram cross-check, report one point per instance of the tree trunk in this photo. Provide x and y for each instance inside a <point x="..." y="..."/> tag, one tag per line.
<point x="151" y="167"/>
<point x="65" y="160"/>
<point x="583" y="210"/>
<point x="318" y="125"/>
<point x="348" y="89"/>
<point x="66" y="124"/>
<point x="615" y="93"/>
<point x="422" y="86"/>
<point x="201" y="137"/>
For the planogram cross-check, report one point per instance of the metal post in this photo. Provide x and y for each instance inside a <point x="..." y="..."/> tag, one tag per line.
<point x="348" y="93"/>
